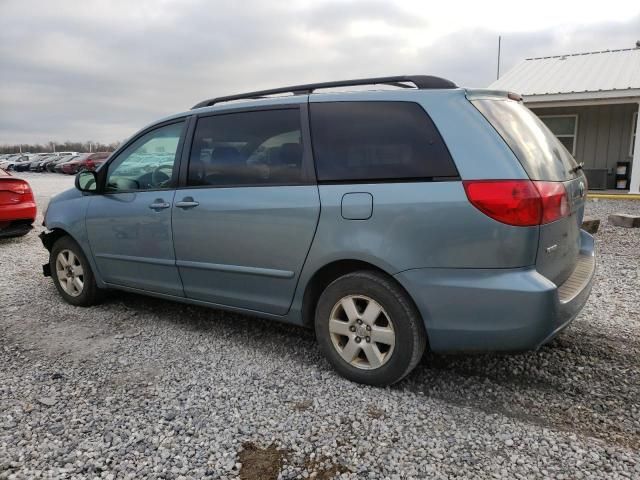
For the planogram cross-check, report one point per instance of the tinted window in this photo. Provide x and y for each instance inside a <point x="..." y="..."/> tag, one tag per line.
<point x="541" y="154"/>
<point x="377" y="140"/>
<point x="146" y="164"/>
<point x="248" y="148"/>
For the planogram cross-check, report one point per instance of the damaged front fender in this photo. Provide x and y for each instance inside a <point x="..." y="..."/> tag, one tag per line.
<point x="48" y="238"/>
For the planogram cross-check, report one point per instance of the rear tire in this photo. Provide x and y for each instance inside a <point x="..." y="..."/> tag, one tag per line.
<point x="369" y="329"/>
<point x="72" y="274"/>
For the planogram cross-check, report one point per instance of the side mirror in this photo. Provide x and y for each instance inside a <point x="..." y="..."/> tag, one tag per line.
<point x="87" y="181"/>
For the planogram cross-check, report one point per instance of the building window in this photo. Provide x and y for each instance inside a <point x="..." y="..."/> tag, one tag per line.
<point x="634" y="132"/>
<point x="565" y="127"/>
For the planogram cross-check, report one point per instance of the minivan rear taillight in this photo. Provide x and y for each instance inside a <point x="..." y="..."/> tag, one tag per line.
<point x="522" y="203"/>
<point x="555" y="204"/>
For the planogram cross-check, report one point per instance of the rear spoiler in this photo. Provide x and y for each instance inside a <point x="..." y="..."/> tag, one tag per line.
<point x="483" y="93"/>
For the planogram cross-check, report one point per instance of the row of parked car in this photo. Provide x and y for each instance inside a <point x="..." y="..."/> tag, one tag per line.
<point x="60" y="162"/>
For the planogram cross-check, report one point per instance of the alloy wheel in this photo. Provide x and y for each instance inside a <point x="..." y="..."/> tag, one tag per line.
<point x="70" y="273"/>
<point x="362" y="332"/>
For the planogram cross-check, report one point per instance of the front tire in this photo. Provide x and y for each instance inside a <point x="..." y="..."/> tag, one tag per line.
<point x="72" y="274"/>
<point x="369" y="329"/>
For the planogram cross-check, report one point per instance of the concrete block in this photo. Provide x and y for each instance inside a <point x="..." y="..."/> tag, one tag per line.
<point x="590" y="224"/>
<point x="624" y="220"/>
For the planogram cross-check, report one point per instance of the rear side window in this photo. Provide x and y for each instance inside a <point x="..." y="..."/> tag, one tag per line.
<point x="361" y="141"/>
<point x="247" y="148"/>
<point x="541" y="154"/>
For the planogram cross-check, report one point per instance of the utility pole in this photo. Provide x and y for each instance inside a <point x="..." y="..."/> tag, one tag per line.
<point x="499" y="45"/>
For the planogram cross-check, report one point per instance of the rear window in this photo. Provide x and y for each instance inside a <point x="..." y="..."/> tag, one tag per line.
<point x="541" y="154"/>
<point x="362" y="141"/>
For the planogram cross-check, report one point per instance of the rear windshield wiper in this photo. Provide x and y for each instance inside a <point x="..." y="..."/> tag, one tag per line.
<point x="577" y="167"/>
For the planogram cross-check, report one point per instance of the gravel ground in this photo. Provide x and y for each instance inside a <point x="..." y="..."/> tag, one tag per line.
<point x="143" y="388"/>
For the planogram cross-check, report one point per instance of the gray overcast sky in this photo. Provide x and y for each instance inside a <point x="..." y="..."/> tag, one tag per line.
<point x="100" y="70"/>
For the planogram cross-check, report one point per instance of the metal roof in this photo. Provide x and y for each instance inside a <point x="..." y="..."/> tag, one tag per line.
<point x="606" y="73"/>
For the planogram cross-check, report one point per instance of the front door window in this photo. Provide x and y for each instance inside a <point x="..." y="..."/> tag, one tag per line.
<point x="148" y="163"/>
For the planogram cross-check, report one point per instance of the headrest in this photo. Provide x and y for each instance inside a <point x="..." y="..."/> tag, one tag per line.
<point x="226" y="155"/>
<point x="290" y="153"/>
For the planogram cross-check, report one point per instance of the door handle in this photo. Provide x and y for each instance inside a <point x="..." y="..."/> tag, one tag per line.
<point x="159" y="204"/>
<point x="187" y="202"/>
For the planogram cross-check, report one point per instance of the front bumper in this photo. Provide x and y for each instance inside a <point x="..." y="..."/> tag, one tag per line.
<point x="47" y="238"/>
<point x="481" y="310"/>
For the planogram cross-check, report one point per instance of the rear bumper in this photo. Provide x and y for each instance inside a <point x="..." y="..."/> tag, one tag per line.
<point x="18" y="211"/>
<point x="498" y="309"/>
<point x="573" y="294"/>
<point x="15" y="229"/>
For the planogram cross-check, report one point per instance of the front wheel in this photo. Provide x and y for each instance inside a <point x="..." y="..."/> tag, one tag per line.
<point x="72" y="274"/>
<point x="369" y="329"/>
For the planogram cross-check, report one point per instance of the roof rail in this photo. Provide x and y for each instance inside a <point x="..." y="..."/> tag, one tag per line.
<point x="422" y="82"/>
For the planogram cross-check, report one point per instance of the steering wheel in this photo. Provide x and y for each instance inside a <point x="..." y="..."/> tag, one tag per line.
<point x="161" y="175"/>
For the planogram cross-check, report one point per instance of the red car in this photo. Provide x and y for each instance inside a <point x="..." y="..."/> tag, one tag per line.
<point x="87" y="161"/>
<point x="17" y="206"/>
<point x="93" y="163"/>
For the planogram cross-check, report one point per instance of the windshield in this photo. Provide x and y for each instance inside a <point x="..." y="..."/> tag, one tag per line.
<point x="541" y="154"/>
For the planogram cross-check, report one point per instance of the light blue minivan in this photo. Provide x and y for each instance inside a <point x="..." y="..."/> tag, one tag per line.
<point x="415" y="214"/>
